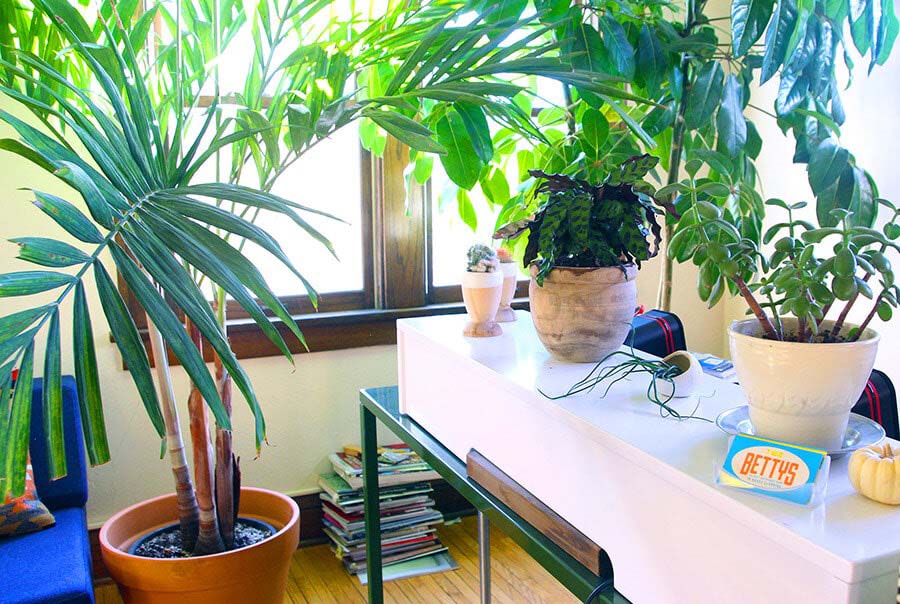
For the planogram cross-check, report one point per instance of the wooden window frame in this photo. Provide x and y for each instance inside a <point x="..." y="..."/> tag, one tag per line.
<point x="397" y="275"/>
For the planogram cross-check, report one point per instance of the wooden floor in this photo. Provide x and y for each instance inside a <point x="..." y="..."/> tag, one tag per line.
<point x="317" y="577"/>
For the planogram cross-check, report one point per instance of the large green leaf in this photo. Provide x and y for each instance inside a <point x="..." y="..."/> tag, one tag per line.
<point x="212" y="256"/>
<point x="19" y="427"/>
<point x="459" y="161"/>
<point x="651" y="58"/>
<point x="705" y="95"/>
<point x="68" y="217"/>
<point x="87" y="379"/>
<point x="49" y="252"/>
<point x="826" y="164"/>
<point x="862" y="28"/>
<point x="261" y="200"/>
<point x="595" y="128"/>
<point x="25" y="283"/>
<point x="888" y="29"/>
<point x="778" y="35"/>
<point x="407" y="131"/>
<point x="748" y="20"/>
<point x="589" y="51"/>
<point x="621" y="53"/>
<point x="129" y="344"/>
<point x="53" y="401"/>
<point x="477" y="126"/>
<point x="730" y="122"/>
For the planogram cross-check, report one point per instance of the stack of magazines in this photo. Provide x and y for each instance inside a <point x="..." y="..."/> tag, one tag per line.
<point x="397" y="464"/>
<point x="409" y="542"/>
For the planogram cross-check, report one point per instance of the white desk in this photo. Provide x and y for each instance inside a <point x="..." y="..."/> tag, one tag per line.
<point x="639" y="485"/>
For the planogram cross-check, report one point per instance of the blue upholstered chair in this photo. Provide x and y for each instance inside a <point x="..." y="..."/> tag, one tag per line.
<point x="54" y="564"/>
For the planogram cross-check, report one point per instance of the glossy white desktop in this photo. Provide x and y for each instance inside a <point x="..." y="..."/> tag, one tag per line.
<point x="639" y="485"/>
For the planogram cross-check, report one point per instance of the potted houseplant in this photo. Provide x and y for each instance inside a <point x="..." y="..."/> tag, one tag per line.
<point x="585" y="245"/>
<point x="800" y="363"/>
<point x="482" y="285"/>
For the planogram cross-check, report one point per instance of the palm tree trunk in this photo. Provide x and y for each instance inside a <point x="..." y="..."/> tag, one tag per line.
<point x="228" y="481"/>
<point x="188" y="512"/>
<point x="226" y="464"/>
<point x="208" y="539"/>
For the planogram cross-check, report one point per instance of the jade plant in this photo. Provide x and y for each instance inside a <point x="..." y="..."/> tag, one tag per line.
<point x="811" y="273"/>
<point x="482" y="259"/>
<point x="580" y="224"/>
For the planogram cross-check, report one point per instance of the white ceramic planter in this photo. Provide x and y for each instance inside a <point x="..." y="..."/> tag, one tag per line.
<point x="686" y="382"/>
<point x="798" y="392"/>
<point x="510" y="271"/>
<point x="481" y="294"/>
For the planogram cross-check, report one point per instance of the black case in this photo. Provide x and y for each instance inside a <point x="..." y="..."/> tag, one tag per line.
<point x="658" y="333"/>
<point x="879" y="402"/>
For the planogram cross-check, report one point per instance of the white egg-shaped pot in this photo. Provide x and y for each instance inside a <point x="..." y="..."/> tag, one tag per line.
<point x="685" y="383"/>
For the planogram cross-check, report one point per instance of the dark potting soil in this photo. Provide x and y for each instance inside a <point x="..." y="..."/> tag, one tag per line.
<point x="167" y="543"/>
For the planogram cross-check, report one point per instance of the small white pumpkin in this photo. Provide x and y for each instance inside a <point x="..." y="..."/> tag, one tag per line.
<point x="875" y="472"/>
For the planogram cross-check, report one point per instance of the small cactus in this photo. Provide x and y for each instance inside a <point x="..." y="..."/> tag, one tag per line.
<point x="482" y="259"/>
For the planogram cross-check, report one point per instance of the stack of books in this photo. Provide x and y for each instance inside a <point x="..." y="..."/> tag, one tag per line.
<point x="397" y="464"/>
<point x="409" y="541"/>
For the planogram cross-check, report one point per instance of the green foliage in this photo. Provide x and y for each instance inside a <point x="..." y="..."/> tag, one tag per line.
<point x="585" y="225"/>
<point x="810" y="269"/>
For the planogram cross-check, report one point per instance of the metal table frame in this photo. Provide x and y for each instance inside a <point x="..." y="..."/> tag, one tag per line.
<point x="383" y="404"/>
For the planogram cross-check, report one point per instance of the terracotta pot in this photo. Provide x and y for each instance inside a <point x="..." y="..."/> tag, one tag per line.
<point x="583" y="314"/>
<point x="255" y="574"/>
<point x="510" y="271"/>
<point x="481" y="294"/>
<point x="798" y="392"/>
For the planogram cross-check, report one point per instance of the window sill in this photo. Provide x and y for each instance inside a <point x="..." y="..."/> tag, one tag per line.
<point x="329" y="331"/>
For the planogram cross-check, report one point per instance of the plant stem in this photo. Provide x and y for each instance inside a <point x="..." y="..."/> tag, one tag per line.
<point x="208" y="539"/>
<point x="839" y="323"/>
<point x="869" y="317"/>
<point x="664" y="293"/>
<point x="760" y="314"/>
<point x="188" y="512"/>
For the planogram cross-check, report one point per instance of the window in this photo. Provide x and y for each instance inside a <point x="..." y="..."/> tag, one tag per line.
<point x="401" y="251"/>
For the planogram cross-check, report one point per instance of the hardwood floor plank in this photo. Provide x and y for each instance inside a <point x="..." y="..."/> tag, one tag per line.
<point x="317" y="577"/>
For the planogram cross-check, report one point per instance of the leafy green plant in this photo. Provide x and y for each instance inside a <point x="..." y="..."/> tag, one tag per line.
<point x="697" y="74"/>
<point x="585" y="225"/>
<point x="810" y="271"/>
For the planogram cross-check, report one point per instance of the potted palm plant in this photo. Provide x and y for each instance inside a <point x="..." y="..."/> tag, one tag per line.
<point x="135" y="167"/>
<point x="585" y="245"/>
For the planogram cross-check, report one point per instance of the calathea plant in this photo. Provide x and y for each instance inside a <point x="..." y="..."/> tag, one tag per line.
<point x="584" y="225"/>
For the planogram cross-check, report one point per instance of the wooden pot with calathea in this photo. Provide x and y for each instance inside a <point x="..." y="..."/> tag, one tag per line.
<point x="585" y="244"/>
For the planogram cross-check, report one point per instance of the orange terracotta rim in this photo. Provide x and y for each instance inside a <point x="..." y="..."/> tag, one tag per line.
<point x="257" y="573"/>
<point x="165" y="502"/>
